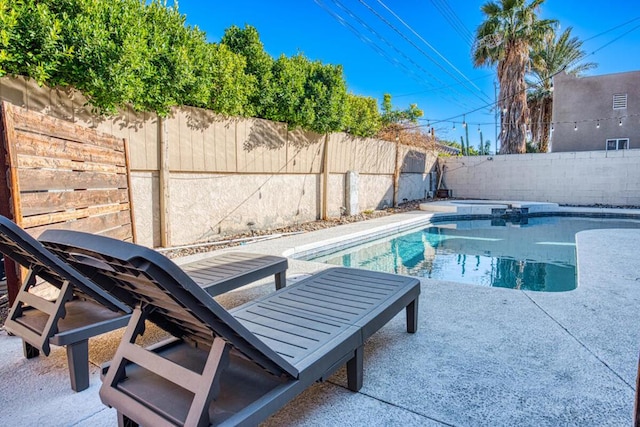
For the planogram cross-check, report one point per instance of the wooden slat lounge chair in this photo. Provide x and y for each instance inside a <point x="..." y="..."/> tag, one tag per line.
<point x="230" y="367"/>
<point x="82" y="309"/>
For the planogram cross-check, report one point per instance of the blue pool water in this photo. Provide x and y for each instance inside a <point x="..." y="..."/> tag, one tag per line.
<point x="536" y="254"/>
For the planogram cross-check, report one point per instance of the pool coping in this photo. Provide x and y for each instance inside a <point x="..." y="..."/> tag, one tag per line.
<point x="334" y="244"/>
<point x="487" y="207"/>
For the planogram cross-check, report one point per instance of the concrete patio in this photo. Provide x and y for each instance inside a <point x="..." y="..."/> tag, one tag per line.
<point x="481" y="356"/>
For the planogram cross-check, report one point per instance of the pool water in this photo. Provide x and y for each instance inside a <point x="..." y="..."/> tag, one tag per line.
<point x="536" y="254"/>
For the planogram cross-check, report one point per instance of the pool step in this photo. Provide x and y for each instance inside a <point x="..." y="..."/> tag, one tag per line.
<point x="509" y="212"/>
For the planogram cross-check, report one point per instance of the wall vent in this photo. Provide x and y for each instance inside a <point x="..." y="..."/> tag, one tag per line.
<point x="619" y="101"/>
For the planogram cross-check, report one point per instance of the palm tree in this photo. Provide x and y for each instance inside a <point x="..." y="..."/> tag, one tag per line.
<point x="555" y="55"/>
<point x="504" y="39"/>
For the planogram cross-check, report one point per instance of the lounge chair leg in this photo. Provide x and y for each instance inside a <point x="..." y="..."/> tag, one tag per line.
<point x="209" y="389"/>
<point x="124" y="421"/>
<point x="355" y="367"/>
<point x="29" y="351"/>
<point x="412" y="316"/>
<point x="281" y="280"/>
<point x="78" y="361"/>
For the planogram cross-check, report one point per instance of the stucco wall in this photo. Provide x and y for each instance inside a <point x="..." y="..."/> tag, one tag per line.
<point x="581" y="178"/>
<point x="203" y="206"/>
<point x="416" y="186"/>
<point x="207" y="206"/>
<point x="146" y="211"/>
<point x="580" y="104"/>
<point x="375" y="192"/>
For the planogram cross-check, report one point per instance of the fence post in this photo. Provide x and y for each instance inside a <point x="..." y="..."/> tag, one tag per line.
<point x="165" y="221"/>
<point x="396" y="174"/>
<point x="7" y="187"/>
<point x="325" y="177"/>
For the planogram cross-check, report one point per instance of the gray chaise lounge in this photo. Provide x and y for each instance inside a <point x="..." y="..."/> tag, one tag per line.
<point x="84" y="310"/>
<point x="81" y="311"/>
<point x="230" y="367"/>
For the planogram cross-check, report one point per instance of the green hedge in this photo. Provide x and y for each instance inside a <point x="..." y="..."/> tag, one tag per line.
<point x="120" y="52"/>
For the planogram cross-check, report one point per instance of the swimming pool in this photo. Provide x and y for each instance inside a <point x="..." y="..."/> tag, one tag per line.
<point x="535" y="253"/>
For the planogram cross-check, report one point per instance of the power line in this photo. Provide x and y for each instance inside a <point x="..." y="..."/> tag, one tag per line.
<point x="454" y="21"/>
<point x="488" y="105"/>
<point x="366" y="40"/>
<point x="374" y="32"/>
<point x="396" y="49"/>
<point x="432" y="48"/>
<point x="443" y="87"/>
<point x="612" y="29"/>
<point x="615" y="39"/>
<point x="377" y="48"/>
<point x="390" y="25"/>
<point x="494" y="104"/>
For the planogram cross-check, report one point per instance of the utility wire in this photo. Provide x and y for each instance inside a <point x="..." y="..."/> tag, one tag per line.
<point x="612" y="29"/>
<point x="368" y="41"/>
<point x="616" y="39"/>
<point x="415" y="33"/>
<point x="488" y="105"/>
<point x="454" y="21"/>
<point x="378" y="49"/>
<point x="443" y="87"/>
<point x="384" y="40"/>
<point x="390" y="25"/>
<point x="392" y="46"/>
<point x="496" y="103"/>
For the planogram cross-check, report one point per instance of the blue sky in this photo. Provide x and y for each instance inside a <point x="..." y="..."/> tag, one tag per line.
<point x="416" y="50"/>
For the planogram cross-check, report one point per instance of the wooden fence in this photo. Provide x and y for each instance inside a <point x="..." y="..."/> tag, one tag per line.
<point x="196" y="141"/>
<point x="62" y="175"/>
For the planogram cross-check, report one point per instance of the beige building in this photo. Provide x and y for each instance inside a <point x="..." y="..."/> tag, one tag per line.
<point x="596" y="112"/>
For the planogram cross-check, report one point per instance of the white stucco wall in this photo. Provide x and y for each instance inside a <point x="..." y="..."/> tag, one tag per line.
<point x="146" y="207"/>
<point x="375" y="192"/>
<point x="204" y="206"/>
<point x="581" y="178"/>
<point x="414" y="186"/>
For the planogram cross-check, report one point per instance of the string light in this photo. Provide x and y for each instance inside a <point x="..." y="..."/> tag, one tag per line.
<point x="529" y="125"/>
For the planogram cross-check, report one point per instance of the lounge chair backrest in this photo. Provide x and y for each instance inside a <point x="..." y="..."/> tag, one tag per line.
<point x="144" y="278"/>
<point x="18" y="245"/>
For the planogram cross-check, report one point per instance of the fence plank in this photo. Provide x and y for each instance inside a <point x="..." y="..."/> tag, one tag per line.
<point x="28" y="122"/>
<point x="45" y="180"/>
<point x="52" y="201"/>
<point x="104" y="223"/>
<point x="33" y="162"/>
<point x="50" y="146"/>
<point x="53" y="218"/>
